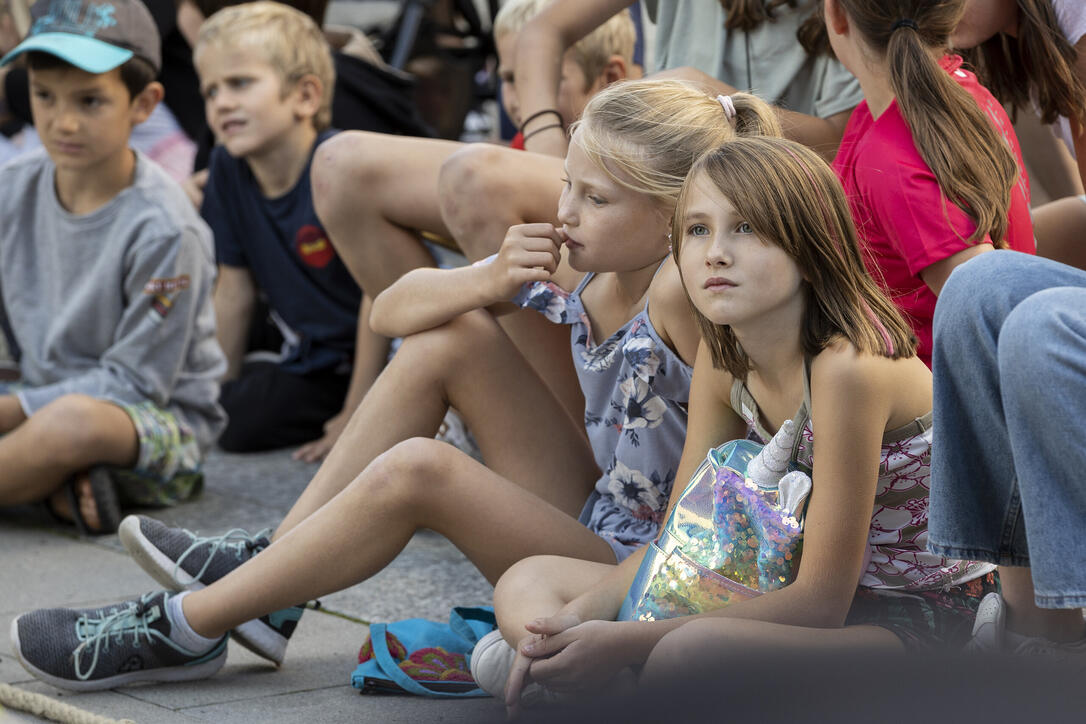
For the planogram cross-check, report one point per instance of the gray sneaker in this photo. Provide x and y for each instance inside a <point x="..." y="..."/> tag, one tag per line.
<point x="182" y="560"/>
<point x="100" y="648"/>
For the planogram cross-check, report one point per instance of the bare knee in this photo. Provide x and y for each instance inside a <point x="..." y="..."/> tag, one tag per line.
<point x="442" y="351"/>
<point x="409" y="473"/>
<point x="677" y="653"/>
<point x="518" y="593"/>
<point x="476" y="198"/>
<point x="74" y="429"/>
<point x="344" y="166"/>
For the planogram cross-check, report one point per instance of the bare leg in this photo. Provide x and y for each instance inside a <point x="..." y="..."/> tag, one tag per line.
<point x="1024" y="617"/>
<point x="470" y="364"/>
<point x="715" y="644"/>
<point x="1060" y="228"/>
<point x="66" y="436"/>
<point x="373" y="192"/>
<point x="485" y="189"/>
<point x="420" y="483"/>
<point x="538" y="587"/>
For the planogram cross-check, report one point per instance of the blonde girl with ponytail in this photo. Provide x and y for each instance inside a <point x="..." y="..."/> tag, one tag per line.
<point x="929" y="161"/>
<point x="606" y="275"/>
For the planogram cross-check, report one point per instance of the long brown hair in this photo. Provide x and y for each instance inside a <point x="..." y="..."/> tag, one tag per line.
<point x="791" y="198"/>
<point x="1036" y="67"/>
<point x="971" y="161"/>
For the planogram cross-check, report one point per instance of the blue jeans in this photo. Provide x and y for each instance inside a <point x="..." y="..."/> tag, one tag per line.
<point x="1008" y="460"/>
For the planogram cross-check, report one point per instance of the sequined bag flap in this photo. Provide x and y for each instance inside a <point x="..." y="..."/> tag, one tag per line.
<point x="735" y="533"/>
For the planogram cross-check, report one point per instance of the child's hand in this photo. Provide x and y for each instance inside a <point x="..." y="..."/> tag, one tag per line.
<point x="530" y="253"/>
<point x="316" y="450"/>
<point x="584" y="657"/>
<point x="194" y="187"/>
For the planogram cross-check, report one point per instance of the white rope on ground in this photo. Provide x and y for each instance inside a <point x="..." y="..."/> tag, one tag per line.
<point x="51" y="709"/>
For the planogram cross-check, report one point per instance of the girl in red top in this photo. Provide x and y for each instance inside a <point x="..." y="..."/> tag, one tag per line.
<point x="929" y="161"/>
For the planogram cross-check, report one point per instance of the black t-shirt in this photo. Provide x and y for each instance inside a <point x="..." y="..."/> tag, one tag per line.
<point x="291" y="260"/>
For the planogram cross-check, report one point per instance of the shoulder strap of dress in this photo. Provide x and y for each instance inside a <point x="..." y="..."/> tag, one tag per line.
<point x="584" y="282"/>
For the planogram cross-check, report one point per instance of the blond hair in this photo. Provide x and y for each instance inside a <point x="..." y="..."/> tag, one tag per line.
<point x="617" y="36"/>
<point x="289" y="39"/>
<point x="646" y="134"/>
<point x="791" y="198"/>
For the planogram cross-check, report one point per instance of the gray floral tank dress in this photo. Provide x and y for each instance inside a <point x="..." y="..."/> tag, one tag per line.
<point x="636" y="391"/>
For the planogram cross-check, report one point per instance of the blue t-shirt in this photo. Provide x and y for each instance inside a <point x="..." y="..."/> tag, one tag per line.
<point x="292" y="261"/>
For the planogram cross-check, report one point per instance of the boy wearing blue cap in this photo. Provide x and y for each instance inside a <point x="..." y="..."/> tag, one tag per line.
<point x="105" y="282"/>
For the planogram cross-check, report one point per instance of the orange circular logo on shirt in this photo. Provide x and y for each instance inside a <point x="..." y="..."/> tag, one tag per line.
<point x="313" y="246"/>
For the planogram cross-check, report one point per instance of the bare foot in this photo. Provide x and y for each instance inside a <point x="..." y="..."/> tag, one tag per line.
<point x="58" y="501"/>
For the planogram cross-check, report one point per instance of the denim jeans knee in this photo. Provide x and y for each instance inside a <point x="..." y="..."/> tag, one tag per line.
<point x="1010" y="385"/>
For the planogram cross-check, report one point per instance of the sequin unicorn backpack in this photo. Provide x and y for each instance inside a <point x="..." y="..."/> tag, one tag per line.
<point x="735" y="533"/>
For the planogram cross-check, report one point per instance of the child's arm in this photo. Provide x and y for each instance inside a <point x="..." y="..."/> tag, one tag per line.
<point x="234" y="299"/>
<point x="541" y="45"/>
<point x="167" y="287"/>
<point x="935" y="276"/>
<point x="851" y="400"/>
<point x="426" y="298"/>
<point x="370" y="353"/>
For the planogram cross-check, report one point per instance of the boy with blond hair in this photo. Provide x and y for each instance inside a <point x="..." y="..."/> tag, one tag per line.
<point x="376" y="194"/>
<point x="105" y="280"/>
<point x="266" y="74"/>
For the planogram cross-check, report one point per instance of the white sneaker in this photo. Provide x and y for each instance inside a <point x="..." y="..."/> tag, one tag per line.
<point x="990" y="635"/>
<point x="990" y="626"/>
<point x="490" y="663"/>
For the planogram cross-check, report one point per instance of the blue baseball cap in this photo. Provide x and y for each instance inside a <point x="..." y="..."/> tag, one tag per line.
<point x="94" y="35"/>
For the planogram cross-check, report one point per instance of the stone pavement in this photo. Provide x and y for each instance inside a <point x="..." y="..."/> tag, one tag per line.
<point x="42" y="565"/>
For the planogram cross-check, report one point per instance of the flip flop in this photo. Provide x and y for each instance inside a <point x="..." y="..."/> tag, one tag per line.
<point x="105" y="500"/>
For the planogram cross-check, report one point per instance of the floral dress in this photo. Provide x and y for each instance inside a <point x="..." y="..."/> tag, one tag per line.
<point x="636" y="391"/>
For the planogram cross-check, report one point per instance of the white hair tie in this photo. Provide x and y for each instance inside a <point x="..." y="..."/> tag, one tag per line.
<point x="728" y="105"/>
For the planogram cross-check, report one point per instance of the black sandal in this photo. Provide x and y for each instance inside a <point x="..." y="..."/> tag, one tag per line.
<point x="105" y="500"/>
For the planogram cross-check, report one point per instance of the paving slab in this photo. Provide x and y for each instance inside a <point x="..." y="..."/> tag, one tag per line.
<point x="46" y="565"/>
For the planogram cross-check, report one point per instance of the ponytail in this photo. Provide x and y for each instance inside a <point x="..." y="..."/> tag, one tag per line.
<point x="645" y="134"/>
<point x="972" y="162"/>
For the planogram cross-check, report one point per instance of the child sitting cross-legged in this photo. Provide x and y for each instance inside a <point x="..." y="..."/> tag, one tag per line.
<point x="105" y="283"/>
<point x="266" y="74"/>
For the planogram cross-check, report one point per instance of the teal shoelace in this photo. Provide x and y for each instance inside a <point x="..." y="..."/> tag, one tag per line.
<point x="97" y="634"/>
<point x="237" y="540"/>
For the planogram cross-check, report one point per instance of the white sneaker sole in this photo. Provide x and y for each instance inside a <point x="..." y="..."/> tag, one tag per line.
<point x="175" y="673"/>
<point x="254" y="635"/>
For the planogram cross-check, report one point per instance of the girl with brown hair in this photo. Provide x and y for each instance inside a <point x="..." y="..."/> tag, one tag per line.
<point x="604" y="275"/>
<point x="1032" y="55"/>
<point x="789" y="320"/>
<point x="929" y="161"/>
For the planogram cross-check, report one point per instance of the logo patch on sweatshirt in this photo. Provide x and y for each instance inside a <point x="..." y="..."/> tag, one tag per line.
<point x="167" y="285"/>
<point x="313" y="246"/>
<point x="162" y="291"/>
